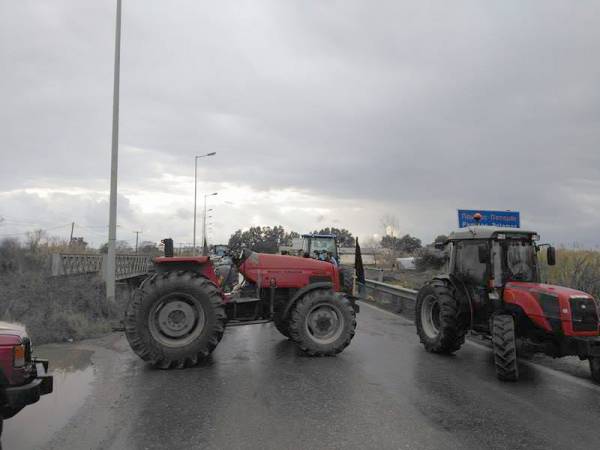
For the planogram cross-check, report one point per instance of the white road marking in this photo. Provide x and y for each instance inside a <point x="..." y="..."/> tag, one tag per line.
<point x="557" y="373"/>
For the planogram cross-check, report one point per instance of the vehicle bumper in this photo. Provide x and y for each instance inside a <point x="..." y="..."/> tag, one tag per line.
<point x="20" y="396"/>
<point x="584" y="347"/>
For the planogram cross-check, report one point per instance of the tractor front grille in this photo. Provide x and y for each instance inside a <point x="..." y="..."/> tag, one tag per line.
<point x="584" y="314"/>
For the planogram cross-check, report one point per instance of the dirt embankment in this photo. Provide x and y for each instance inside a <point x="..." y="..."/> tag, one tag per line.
<point x="58" y="309"/>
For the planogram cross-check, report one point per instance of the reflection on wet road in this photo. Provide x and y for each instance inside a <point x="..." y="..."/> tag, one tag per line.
<point x="258" y="392"/>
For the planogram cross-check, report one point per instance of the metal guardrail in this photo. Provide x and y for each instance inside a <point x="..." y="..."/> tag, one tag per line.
<point x="401" y="299"/>
<point x="127" y="266"/>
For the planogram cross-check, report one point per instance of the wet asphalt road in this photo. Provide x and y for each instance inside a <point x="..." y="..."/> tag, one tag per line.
<point x="258" y="392"/>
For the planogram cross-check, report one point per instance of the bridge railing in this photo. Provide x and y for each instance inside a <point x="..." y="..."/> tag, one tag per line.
<point x="402" y="300"/>
<point x="127" y="266"/>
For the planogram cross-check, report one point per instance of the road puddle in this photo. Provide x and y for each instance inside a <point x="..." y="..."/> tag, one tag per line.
<point x="73" y="377"/>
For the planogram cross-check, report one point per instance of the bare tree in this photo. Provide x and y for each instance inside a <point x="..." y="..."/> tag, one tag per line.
<point x="390" y="224"/>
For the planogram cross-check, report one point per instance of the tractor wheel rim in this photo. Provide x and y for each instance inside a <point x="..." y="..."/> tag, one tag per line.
<point x="176" y="320"/>
<point x="324" y="323"/>
<point x="430" y="316"/>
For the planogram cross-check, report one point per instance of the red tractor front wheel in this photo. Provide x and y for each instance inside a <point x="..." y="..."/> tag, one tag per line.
<point x="504" y="342"/>
<point x="322" y="323"/>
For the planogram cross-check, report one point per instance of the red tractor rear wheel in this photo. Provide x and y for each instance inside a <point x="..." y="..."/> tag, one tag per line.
<point x="437" y="318"/>
<point x="175" y="319"/>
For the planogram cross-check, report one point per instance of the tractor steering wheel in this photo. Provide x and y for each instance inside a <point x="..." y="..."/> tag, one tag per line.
<point x="238" y="257"/>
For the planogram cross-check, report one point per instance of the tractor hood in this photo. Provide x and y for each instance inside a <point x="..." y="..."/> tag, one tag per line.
<point x="550" y="289"/>
<point x="556" y="309"/>
<point x="286" y="271"/>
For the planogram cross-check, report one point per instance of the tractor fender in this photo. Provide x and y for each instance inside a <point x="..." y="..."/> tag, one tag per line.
<point x="302" y="292"/>
<point x="197" y="264"/>
<point x="462" y="295"/>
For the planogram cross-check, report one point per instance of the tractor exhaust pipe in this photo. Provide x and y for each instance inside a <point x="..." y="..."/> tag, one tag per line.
<point x="168" y="243"/>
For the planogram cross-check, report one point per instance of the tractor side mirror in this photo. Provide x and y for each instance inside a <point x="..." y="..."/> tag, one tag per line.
<point x="484" y="255"/>
<point x="551" y="256"/>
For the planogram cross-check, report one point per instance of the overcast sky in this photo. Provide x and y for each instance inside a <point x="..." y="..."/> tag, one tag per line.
<point x="322" y="113"/>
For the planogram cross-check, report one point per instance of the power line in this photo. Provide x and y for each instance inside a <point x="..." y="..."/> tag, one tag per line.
<point x="33" y="230"/>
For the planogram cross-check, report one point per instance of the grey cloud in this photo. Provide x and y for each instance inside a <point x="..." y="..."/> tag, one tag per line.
<point x="407" y="107"/>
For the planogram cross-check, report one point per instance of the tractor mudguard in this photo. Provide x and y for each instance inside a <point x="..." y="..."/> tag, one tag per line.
<point x="196" y="264"/>
<point x="462" y="295"/>
<point x="302" y="291"/>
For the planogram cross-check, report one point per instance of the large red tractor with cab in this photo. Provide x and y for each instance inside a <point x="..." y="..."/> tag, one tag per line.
<point x="178" y="314"/>
<point x="493" y="287"/>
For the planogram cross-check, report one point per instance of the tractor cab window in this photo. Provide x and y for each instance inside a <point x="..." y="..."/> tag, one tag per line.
<point x="319" y="247"/>
<point x="467" y="266"/>
<point x="520" y="260"/>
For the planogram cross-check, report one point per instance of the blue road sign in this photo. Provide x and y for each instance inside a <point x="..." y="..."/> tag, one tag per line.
<point x="509" y="219"/>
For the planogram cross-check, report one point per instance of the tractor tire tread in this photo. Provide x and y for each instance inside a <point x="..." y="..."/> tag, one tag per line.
<point x="505" y="347"/>
<point x="153" y="286"/>
<point x="453" y="334"/>
<point x="298" y="317"/>
<point x="595" y="368"/>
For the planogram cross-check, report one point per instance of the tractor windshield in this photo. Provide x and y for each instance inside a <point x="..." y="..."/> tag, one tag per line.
<point x="320" y="246"/>
<point x="520" y="260"/>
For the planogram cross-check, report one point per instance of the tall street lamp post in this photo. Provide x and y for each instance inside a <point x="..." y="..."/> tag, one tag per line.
<point x="114" y="160"/>
<point x="196" y="193"/>
<point x="204" y="249"/>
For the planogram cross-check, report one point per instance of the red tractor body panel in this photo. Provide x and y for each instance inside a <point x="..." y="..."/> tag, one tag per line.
<point x="574" y="312"/>
<point x="288" y="271"/>
<point x="201" y="264"/>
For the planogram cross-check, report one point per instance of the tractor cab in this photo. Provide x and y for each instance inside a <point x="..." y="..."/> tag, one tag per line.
<point x="489" y="257"/>
<point x="493" y="287"/>
<point x="318" y="246"/>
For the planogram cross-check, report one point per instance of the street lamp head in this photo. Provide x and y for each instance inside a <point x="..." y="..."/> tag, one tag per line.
<point x="207" y="154"/>
<point x="214" y="193"/>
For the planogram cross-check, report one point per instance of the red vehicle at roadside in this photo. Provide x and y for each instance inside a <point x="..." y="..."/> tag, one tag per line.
<point x="23" y="378"/>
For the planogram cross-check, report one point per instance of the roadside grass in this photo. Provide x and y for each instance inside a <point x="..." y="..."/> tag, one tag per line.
<point x="56" y="309"/>
<point x="575" y="268"/>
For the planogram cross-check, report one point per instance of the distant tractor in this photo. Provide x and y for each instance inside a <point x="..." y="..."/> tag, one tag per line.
<point x="493" y="287"/>
<point x="318" y="246"/>
<point x="220" y="250"/>
<point x="179" y="313"/>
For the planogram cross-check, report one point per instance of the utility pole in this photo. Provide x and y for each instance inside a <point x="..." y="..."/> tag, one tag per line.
<point x="196" y="194"/>
<point x="137" y="234"/>
<point x="114" y="162"/>
<point x="72" y="228"/>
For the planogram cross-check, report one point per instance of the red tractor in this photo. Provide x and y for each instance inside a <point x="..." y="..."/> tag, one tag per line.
<point x="493" y="287"/>
<point x="179" y="313"/>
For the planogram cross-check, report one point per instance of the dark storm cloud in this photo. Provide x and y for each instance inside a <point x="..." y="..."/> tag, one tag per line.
<point x="418" y="107"/>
